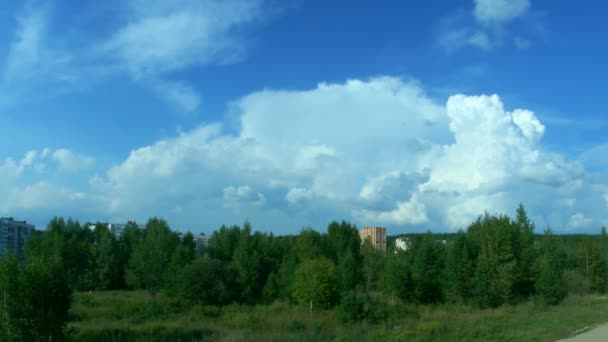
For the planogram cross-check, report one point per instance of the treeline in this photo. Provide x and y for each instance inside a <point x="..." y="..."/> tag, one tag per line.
<point x="495" y="261"/>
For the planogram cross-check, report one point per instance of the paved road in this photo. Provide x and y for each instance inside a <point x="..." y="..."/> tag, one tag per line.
<point x="599" y="334"/>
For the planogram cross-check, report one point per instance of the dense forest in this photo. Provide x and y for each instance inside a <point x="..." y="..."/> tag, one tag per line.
<point x="495" y="261"/>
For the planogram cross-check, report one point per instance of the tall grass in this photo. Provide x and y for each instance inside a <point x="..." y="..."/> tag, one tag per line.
<point x="136" y="316"/>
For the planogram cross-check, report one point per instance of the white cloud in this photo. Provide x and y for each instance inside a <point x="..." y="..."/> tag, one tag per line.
<point x="405" y="160"/>
<point x="167" y="36"/>
<point x="296" y="195"/>
<point x="32" y="61"/>
<point x="530" y="126"/>
<point x="486" y="30"/>
<point x="26" y="51"/>
<point x="489" y="146"/>
<point x="244" y="194"/>
<point x="499" y="11"/>
<point x="179" y="94"/>
<point x="39" y="195"/>
<point x="569" y="202"/>
<point x="406" y="212"/>
<point x="480" y="40"/>
<point x="578" y="221"/>
<point x="596" y="158"/>
<point x="71" y="162"/>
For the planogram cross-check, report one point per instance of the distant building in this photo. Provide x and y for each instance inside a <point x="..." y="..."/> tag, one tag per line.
<point x="201" y="241"/>
<point x="402" y="244"/>
<point x="13" y="235"/>
<point x="117" y="229"/>
<point x="376" y="235"/>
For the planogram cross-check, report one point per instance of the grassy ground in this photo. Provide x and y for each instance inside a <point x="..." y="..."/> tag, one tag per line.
<point x="135" y="316"/>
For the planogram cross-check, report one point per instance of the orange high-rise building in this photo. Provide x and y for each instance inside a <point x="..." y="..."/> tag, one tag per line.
<point x="376" y="235"/>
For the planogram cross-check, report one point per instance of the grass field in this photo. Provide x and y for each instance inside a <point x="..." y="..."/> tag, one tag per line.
<point x="135" y="316"/>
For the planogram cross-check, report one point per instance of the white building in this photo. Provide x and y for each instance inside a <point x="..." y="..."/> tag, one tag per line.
<point x="201" y="241"/>
<point x="402" y="244"/>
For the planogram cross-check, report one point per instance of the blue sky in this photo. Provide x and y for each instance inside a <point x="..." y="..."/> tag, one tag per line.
<point x="414" y="115"/>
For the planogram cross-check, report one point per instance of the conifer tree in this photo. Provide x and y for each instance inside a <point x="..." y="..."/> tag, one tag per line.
<point x="549" y="283"/>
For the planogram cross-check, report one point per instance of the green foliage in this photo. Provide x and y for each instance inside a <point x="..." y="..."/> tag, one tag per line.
<point x="550" y="284"/>
<point x="460" y="268"/>
<point x="206" y="281"/>
<point x="309" y="244"/>
<point x="223" y="242"/>
<point x="315" y="284"/>
<point x="344" y="247"/>
<point x="427" y="270"/>
<point x="397" y="280"/>
<point x="108" y="267"/>
<point x="353" y="307"/>
<point x="372" y="268"/>
<point x="496" y="240"/>
<point x="526" y="255"/>
<point x="151" y="257"/>
<point x="34" y="300"/>
<point x="72" y="245"/>
<point x="496" y="261"/>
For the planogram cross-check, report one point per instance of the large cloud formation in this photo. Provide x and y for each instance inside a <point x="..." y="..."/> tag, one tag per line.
<point x="376" y="152"/>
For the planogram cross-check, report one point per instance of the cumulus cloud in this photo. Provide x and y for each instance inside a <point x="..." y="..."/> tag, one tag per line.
<point x="500" y="11"/>
<point x="296" y="195"/>
<point x="480" y="40"/>
<point x="595" y="157"/>
<point x="26" y="190"/>
<point x="244" y="194"/>
<point x="486" y="29"/>
<point x="579" y="220"/>
<point x="39" y="195"/>
<point x="406" y="160"/>
<point x="71" y="162"/>
<point x="406" y="212"/>
<point x="36" y="160"/>
<point x="491" y="145"/>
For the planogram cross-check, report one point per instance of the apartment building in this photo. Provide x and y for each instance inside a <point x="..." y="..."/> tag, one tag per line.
<point x="13" y="235"/>
<point x="376" y="235"/>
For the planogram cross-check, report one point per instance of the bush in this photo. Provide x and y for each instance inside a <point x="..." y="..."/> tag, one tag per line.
<point x="576" y="283"/>
<point x="353" y="307"/>
<point x="36" y="300"/>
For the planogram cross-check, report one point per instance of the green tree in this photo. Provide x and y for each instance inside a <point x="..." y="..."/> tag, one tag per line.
<point x="373" y="261"/>
<point x="107" y="260"/>
<point x="11" y="299"/>
<point x="315" y="283"/>
<point x="427" y="270"/>
<point x="72" y="245"/>
<point x="549" y="283"/>
<point x="344" y="247"/>
<point x="396" y="278"/>
<point x="151" y="257"/>
<point x="223" y="242"/>
<point x="603" y="247"/>
<point x="525" y="255"/>
<point x="247" y="262"/>
<point x="460" y="268"/>
<point x="309" y="245"/>
<point x="35" y="299"/>
<point x="206" y="281"/>
<point x="495" y="240"/>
